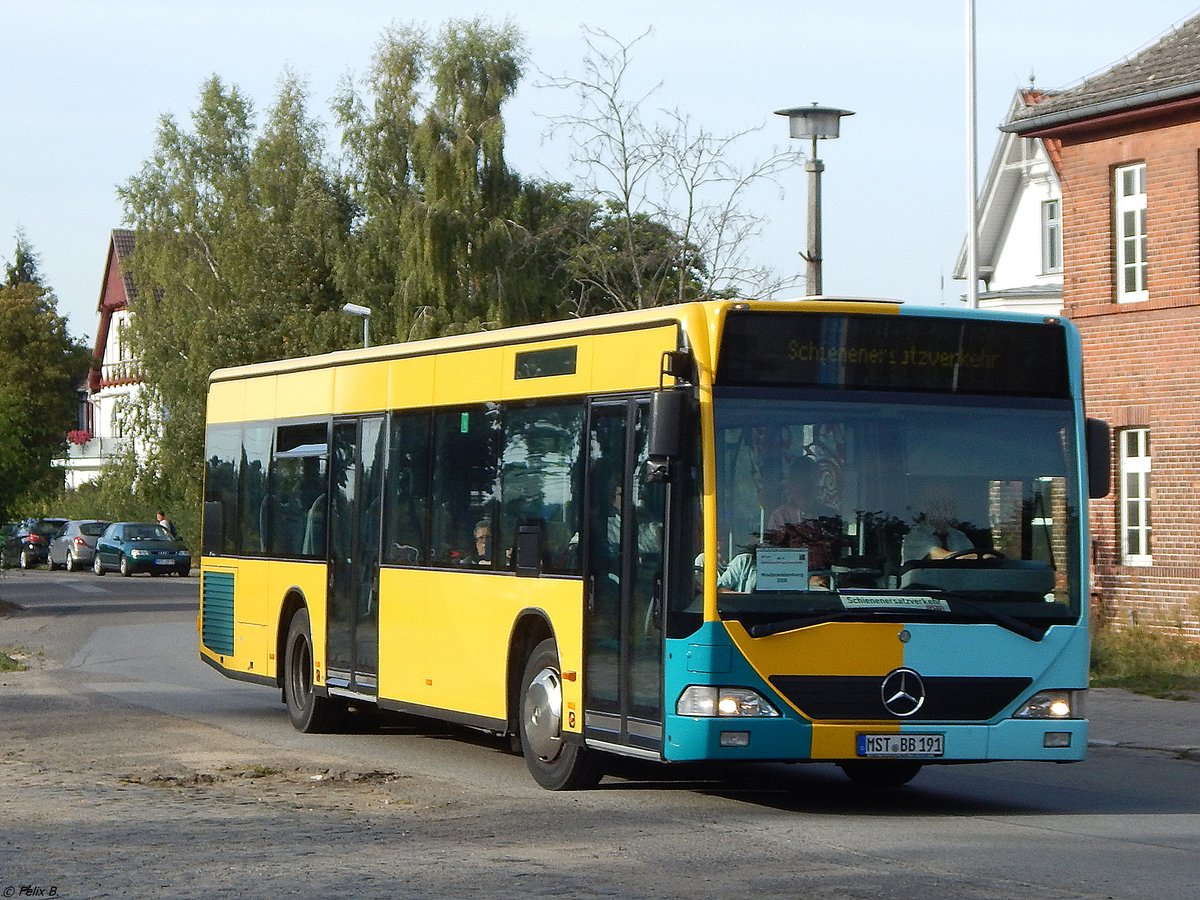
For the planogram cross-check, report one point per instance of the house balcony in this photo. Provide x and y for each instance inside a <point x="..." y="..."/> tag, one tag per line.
<point x="124" y="371"/>
<point x="97" y="449"/>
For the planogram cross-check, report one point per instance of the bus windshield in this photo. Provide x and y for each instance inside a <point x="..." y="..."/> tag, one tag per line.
<point x="909" y="506"/>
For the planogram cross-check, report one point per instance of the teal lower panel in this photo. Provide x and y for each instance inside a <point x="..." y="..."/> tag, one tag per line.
<point x="689" y="740"/>
<point x="1021" y="739"/>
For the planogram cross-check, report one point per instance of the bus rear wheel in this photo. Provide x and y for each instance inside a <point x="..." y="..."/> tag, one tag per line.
<point x="555" y="764"/>
<point x="881" y="774"/>
<point x="308" y="711"/>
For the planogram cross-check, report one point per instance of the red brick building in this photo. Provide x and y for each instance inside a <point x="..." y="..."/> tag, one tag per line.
<point x="1126" y="144"/>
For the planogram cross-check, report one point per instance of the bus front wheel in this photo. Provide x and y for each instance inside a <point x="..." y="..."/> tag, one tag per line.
<point x="881" y="774"/>
<point x="308" y="711"/>
<point x="555" y="764"/>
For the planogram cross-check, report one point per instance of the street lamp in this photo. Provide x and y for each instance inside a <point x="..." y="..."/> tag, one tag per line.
<point x="353" y="309"/>
<point x="815" y="123"/>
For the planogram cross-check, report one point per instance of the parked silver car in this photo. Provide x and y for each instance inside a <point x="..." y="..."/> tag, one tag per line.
<point x="74" y="545"/>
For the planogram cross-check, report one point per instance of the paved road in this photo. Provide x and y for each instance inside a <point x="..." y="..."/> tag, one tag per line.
<point x="132" y="768"/>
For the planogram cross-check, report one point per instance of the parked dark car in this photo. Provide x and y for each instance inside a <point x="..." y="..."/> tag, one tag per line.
<point x="130" y="547"/>
<point x="27" y="546"/>
<point x="73" y="547"/>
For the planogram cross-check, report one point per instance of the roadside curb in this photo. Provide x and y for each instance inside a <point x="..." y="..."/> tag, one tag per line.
<point x="1190" y="753"/>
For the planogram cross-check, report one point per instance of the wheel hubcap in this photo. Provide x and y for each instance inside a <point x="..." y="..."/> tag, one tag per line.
<point x="543" y="715"/>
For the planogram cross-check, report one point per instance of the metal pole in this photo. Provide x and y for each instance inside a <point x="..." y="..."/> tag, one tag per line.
<point x="814" y="167"/>
<point x="972" y="169"/>
<point x="366" y="331"/>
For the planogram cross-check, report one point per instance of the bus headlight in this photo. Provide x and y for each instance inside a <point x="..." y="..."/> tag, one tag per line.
<point x="1053" y="705"/>
<point x="705" y="701"/>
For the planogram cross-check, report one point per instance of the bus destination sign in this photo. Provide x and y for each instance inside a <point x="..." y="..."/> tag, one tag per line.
<point x="894" y="353"/>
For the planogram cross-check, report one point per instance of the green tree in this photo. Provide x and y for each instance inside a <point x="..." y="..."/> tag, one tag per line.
<point x="237" y="234"/>
<point x="671" y="225"/>
<point x="40" y="366"/>
<point x="447" y="238"/>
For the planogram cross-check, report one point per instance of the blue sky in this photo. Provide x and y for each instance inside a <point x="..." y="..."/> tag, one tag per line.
<point x="86" y="81"/>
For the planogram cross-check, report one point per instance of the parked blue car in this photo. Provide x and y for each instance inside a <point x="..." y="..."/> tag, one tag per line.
<point x="130" y="547"/>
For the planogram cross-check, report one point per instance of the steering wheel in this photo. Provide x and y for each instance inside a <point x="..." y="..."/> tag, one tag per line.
<point x="974" y="554"/>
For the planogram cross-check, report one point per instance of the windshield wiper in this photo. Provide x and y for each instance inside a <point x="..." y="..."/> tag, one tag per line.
<point x="1003" y="619"/>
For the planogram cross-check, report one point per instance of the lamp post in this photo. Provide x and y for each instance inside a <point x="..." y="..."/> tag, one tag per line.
<point x="814" y="123"/>
<point x="353" y="309"/>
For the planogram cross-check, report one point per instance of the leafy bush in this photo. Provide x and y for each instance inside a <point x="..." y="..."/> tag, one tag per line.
<point x="1147" y="662"/>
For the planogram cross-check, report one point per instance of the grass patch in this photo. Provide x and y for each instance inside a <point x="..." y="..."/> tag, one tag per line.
<point x="10" y="663"/>
<point x="1145" y="662"/>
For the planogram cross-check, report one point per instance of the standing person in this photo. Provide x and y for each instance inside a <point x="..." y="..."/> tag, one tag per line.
<point x="166" y="523"/>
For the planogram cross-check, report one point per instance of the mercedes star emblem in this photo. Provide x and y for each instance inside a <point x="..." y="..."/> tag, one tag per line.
<point x="903" y="692"/>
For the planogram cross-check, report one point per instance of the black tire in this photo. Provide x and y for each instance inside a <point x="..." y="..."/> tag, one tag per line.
<point x="183" y="571"/>
<point x="71" y="564"/>
<point x="882" y="774"/>
<point x="555" y="764"/>
<point x="125" y="568"/>
<point x="51" y="564"/>
<point x="308" y="711"/>
<point x="97" y="565"/>
<point x="25" y="561"/>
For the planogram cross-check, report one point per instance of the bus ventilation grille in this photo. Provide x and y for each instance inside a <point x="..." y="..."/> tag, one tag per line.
<point x="217" y="622"/>
<point x="855" y="697"/>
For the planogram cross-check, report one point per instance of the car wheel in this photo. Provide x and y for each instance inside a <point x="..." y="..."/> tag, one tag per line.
<point x="183" y="571"/>
<point x="72" y="565"/>
<point x="97" y="565"/>
<point x="26" y="561"/>
<point x="51" y="564"/>
<point x="125" y="567"/>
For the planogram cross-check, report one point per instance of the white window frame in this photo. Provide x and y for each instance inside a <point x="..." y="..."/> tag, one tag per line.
<point x="1135" y="523"/>
<point x="1052" y="260"/>
<point x="1129" y="231"/>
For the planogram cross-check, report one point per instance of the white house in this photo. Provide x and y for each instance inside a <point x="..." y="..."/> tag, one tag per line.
<point x="113" y="381"/>
<point x="1020" y="224"/>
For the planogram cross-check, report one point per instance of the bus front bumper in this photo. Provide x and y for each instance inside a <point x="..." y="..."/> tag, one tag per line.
<point x="792" y="740"/>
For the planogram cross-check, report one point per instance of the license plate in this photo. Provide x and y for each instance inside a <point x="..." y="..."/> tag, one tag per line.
<point x="901" y="744"/>
<point x="164" y="562"/>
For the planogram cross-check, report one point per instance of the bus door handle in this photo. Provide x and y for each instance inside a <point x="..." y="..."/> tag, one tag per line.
<point x="591" y="598"/>
<point x="656" y="598"/>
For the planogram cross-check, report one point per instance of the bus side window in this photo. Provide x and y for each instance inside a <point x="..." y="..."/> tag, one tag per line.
<point x="223" y="457"/>
<point x="540" y="480"/>
<point x="406" y="493"/>
<point x="464" y="479"/>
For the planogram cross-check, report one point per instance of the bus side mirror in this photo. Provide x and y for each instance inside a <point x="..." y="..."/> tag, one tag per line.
<point x="1099" y="458"/>
<point x="668" y="411"/>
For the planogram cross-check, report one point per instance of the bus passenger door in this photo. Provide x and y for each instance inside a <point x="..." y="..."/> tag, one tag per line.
<point x="623" y="581"/>
<point x="352" y="651"/>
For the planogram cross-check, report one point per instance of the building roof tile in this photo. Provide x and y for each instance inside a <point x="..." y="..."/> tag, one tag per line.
<point x="1166" y="69"/>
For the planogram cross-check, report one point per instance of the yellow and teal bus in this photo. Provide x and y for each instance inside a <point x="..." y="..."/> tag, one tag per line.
<point x="818" y="530"/>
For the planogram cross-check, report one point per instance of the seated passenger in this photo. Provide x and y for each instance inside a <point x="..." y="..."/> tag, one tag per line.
<point x="481" y="552"/>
